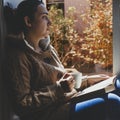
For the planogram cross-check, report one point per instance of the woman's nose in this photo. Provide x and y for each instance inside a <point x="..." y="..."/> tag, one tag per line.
<point x="49" y="22"/>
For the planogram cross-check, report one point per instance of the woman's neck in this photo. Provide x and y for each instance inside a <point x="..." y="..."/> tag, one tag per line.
<point x="33" y="41"/>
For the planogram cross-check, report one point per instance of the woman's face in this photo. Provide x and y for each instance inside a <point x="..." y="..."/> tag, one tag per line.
<point x="40" y="25"/>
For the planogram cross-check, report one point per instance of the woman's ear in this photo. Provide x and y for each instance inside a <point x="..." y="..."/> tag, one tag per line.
<point x="27" y="21"/>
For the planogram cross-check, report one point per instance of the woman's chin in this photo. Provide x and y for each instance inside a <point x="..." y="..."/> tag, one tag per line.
<point x="46" y="36"/>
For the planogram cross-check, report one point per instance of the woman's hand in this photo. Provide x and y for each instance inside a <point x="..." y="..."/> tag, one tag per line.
<point x="94" y="79"/>
<point x="67" y="82"/>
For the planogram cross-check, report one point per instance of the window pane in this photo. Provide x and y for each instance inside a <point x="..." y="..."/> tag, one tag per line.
<point x="58" y="3"/>
<point x="50" y="1"/>
<point x="83" y="38"/>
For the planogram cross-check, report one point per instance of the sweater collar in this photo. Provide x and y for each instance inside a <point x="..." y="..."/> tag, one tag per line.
<point x="43" y="44"/>
<point x="19" y="40"/>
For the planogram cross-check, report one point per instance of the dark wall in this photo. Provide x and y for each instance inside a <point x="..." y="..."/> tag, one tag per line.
<point x="1" y="39"/>
<point x="4" y="101"/>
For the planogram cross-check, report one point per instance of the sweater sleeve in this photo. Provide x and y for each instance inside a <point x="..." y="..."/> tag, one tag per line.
<point x="19" y="75"/>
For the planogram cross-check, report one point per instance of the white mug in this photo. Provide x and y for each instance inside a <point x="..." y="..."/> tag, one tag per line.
<point x="78" y="79"/>
<point x="77" y="76"/>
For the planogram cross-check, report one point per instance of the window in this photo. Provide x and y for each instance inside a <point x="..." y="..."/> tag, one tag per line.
<point x="58" y="3"/>
<point x="116" y="36"/>
<point x="90" y="50"/>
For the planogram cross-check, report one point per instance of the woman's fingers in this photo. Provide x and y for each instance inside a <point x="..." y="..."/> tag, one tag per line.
<point x="66" y="75"/>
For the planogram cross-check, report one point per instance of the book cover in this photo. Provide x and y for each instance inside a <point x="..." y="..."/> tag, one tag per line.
<point x="96" y="90"/>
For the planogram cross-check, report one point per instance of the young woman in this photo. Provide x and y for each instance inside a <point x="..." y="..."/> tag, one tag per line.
<point x="38" y="85"/>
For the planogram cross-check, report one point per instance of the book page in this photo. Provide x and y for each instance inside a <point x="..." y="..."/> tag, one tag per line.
<point x="106" y="84"/>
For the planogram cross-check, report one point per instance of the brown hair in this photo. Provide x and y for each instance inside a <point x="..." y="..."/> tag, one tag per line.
<point x="15" y="17"/>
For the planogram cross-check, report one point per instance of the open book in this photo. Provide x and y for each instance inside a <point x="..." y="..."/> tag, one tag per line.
<point x="95" y="90"/>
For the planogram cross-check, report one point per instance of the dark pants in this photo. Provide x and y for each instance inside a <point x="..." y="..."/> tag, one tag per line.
<point x="106" y="107"/>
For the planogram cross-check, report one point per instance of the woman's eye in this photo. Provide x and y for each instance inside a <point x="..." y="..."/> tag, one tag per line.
<point x="44" y="17"/>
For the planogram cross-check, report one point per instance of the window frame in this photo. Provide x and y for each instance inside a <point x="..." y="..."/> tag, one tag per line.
<point x="116" y="36"/>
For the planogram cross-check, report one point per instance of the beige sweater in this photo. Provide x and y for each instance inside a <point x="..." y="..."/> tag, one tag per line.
<point x="32" y="81"/>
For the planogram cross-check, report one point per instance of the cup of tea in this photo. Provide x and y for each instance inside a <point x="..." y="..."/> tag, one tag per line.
<point x="77" y="76"/>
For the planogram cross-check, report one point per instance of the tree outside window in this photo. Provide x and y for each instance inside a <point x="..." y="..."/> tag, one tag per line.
<point x="90" y="51"/>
